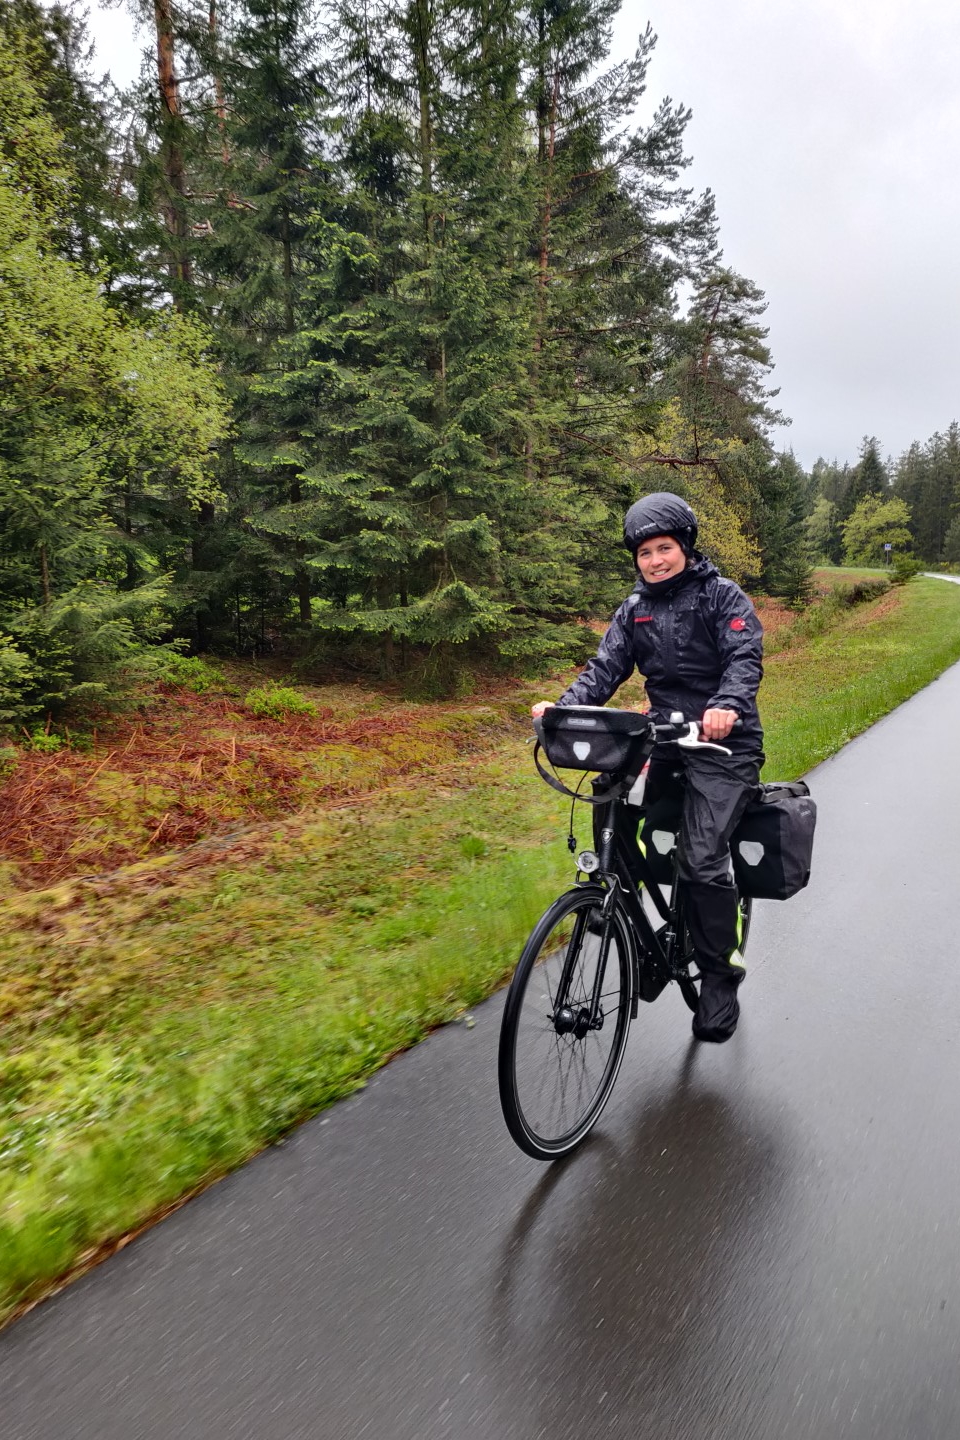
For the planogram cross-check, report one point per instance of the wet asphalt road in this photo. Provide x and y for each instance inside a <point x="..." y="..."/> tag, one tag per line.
<point x="761" y="1240"/>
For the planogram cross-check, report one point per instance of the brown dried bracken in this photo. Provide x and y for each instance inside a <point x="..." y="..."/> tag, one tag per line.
<point x="193" y="767"/>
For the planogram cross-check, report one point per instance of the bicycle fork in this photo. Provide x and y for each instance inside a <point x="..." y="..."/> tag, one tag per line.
<point x="566" y="1019"/>
<point x="577" y="1021"/>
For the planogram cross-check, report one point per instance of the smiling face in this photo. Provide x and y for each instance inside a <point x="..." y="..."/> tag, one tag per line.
<point x="660" y="557"/>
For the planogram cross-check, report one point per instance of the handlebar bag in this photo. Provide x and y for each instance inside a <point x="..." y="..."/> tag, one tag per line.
<point x="772" y="847"/>
<point x="592" y="737"/>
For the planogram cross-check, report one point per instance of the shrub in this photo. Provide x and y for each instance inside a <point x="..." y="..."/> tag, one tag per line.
<point x="90" y="645"/>
<point x="829" y="611"/>
<point x="189" y="672"/>
<point x="277" y="702"/>
<point x="904" y="568"/>
<point x="860" y="592"/>
<point x="45" y="742"/>
<point x="794" y="582"/>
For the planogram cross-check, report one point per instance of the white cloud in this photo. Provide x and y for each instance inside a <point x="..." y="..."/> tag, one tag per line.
<point x="830" y="133"/>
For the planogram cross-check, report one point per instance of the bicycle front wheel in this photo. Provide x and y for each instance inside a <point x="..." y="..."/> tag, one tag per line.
<point x="565" y="1024"/>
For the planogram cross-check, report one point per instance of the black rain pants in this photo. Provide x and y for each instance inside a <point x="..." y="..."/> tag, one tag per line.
<point x="717" y="790"/>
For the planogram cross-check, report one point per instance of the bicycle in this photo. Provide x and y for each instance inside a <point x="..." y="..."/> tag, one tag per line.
<point x="595" y="953"/>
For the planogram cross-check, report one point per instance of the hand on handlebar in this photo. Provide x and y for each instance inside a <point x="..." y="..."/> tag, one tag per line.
<point x="689" y="735"/>
<point x="537" y="710"/>
<point x="717" y="724"/>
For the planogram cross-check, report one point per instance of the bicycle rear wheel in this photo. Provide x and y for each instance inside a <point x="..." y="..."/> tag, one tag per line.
<point x="556" y="1069"/>
<point x="689" y="977"/>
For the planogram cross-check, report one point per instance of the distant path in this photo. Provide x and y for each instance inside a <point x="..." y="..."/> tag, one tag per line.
<point x="761" y="1243"/>
<point x="932" y="575"/>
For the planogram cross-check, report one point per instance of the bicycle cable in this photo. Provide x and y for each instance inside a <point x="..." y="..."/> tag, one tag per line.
<point x="571" y="838"/>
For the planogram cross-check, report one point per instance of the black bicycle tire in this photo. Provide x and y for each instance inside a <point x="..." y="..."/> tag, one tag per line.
<point x="536" y="1145"/>
<point x="689" y="985"/>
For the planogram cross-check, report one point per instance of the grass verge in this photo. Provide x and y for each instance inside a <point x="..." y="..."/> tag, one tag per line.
<point x="163" y="1024"/>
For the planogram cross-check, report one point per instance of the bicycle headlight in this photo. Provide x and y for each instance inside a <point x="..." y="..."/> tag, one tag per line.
<point x="588" y="861"/>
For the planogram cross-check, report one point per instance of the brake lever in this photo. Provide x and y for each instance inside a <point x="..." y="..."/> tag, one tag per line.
<point x="692" y="741"/>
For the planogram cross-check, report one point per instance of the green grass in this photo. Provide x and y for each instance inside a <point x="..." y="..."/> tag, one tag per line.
<point x="816" y="698"/>
<point x="162" y="1025"/>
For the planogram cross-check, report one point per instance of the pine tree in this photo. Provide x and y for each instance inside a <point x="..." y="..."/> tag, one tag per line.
<point x="869" y="476"/>
<point x="782" y="531"/>
<point x="830" y="484"/>
<point x="927" y="478"/>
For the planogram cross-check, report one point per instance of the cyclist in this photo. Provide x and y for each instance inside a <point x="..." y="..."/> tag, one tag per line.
<point x="697" y="641"/>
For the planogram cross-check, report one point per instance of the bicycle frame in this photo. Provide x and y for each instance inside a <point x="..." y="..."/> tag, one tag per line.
<point x="653" y="953"/>
<point x="654" y="950"/>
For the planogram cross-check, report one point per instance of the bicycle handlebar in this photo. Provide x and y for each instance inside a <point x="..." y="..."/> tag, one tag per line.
<point x="686" y="734"/>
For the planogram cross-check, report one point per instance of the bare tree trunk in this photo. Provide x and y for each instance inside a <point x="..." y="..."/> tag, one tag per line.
<point x="218" y="82"/>
<point x="423" y="27"/>
<point x="45" y="573"/>
<point x="548" y="147"/>
<point x="287" y="274"/>
<point x="301" y="574"/>
<point x="175" y="210"/>
<point x="546" y="151"/>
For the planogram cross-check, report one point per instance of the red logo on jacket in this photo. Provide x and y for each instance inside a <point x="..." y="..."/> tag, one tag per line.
<point x="641" y="619"/>
<point x="738" y="624"/>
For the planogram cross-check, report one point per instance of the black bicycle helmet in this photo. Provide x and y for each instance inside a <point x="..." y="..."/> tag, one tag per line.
<point x="660" y="514"/>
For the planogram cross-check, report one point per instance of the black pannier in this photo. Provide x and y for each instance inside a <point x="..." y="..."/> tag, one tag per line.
<point x="658" y="836"/>
<point x="591" y="737"/>
<point x="772" y="847"/>
<point x="651" y="828"/>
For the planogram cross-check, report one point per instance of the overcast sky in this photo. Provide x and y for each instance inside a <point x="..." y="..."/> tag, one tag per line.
<point x="829" y="131"/>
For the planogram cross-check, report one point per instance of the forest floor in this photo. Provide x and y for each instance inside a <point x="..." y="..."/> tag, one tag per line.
<point x="193" y="762"/>
<point x="165" y="1019"/>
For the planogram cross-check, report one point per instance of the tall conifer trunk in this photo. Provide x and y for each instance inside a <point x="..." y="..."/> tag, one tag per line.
<point x="175" y="210"/>
<point x="219" y="99"/>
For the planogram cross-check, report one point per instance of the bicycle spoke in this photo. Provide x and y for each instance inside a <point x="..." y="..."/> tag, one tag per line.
<point x="559" y="1078"/>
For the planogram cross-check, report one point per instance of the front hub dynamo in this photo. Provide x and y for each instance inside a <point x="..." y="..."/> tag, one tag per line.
<point x="567" y="1021"/>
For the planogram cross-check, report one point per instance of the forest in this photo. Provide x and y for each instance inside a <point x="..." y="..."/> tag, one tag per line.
<point x="346" y="336"/>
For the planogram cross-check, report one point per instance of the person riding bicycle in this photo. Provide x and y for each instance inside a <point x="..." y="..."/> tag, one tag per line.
<point x="696" y="639"/>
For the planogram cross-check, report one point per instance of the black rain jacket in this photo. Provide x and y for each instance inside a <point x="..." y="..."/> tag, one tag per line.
<point x="698" y="644"/>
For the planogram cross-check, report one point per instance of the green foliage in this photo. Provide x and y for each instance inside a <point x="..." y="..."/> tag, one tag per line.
<point x="437" y="255"/>
<point x="824" y="615"/>
<point x="16" y="675"/>
<point x="277" y="702"/>
<point x="783" y="532"/>
<point x="904" y="568"/>
<point x="874" y="523"/>
<point x="927" y="478"/>
<point x="951" y="543"/>
<point x="90" y="644"/>
<point x="821" y="527"/>
<point x="869" y="477"/>
<point x="103" y="425"/>
<point x="794" y="581"/>
<point x="189" y="672"/>
<point x="45" y="742"/>
<point x="860" y="592"/>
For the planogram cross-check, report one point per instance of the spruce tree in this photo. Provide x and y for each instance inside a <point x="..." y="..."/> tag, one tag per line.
<point x="782" y="531"/>
<point x="869" y="476"/>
